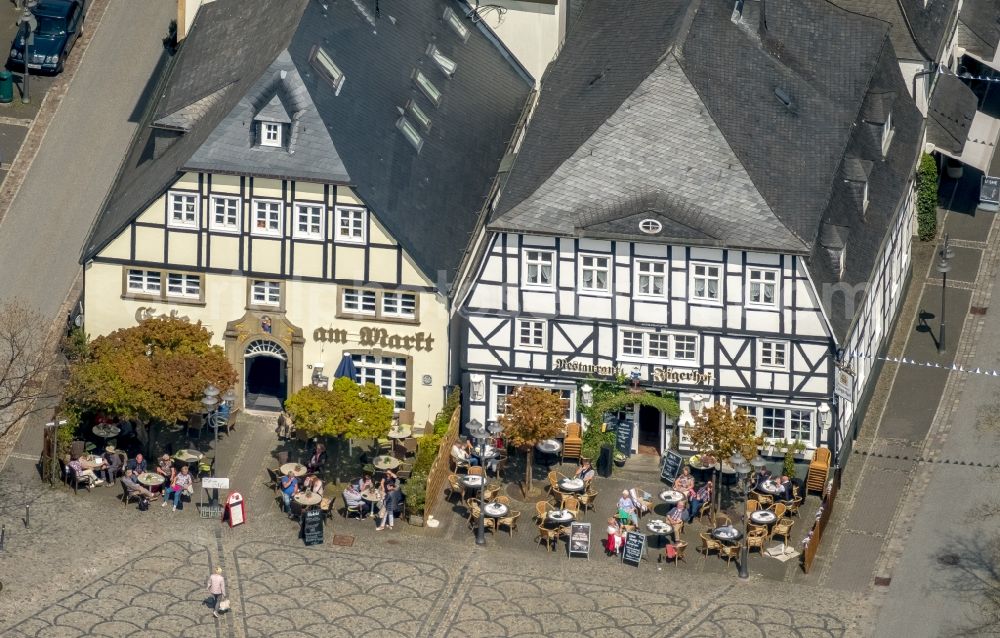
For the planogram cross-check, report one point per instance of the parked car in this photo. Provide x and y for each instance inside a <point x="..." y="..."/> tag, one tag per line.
<point x="60" y="23"/>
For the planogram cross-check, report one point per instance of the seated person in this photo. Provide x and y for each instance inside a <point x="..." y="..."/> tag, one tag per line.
<point x="86" y="476"/>
<point x="585" y="471"/>
<point x="137" y="464"/>
<point x="459" y="453"/>
<point x="352" y="499"/>
<point x="614" y="542"/>
<point x="165" y="468"/>
<point x="318" y="458"/>
<point x="785" y="484"/>
<point x="133" y="486"/>
<point x="389" y="478"/>
<point x="684" y="482"/>
<point x="470" y="453"/>
<point x="762" y="475"/>
<point x="365" y="483"/>
<point x="112" y="465"/>
<point x="315" y="485"/>
<point x="289" y="486"/>
<point x="183" y="483"/>
<point x="642" y="499"/>
<point x="679" y="513"/>
<point x="627" y="509"/>
<point x="701" y="497"/>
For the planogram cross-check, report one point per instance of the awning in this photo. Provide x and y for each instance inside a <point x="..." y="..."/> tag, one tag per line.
<point x="980" y="144"/>
<point x="978" y="30"/>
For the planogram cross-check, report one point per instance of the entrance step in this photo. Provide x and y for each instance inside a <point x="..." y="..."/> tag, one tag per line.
<point x="639" y="467"/>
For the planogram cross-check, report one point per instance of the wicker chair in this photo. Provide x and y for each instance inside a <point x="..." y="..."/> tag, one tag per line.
<point x="709" y="544"/>
<point x="329" y="497"/>
<point x="765" y="500"/>
<point x="706" y="511"/>
<point x="474" y="513"/>
<point x="721" y="520"/>
<point x="752" y="506"/>
<point x="588" y="499"/>
<point x="550" y="536"/>
<point x="756" y="538"/>
<point x="573" y="430"/>
<point x="572" y="504"/>
<point x="729" y="552"/>
<point x="783" y="528"/>
<point x="779" y="509"/>
<point x="541" y="507"/>
<point x="553" y="481"/>
<point x="510" y="522"/>
<point x="679" y="548"/>
<point x="477" y="470"/>
<point x="819" y="468"/>
<point x="503" y="499"/>
<point x="454" y="487"/>
<point x="491" y="491"/>
<point x="792" y="507"/>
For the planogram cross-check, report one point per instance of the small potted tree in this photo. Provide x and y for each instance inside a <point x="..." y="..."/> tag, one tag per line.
<point x="415" y="490"/>
<point x="620" y="458"/>
<point x="532" y="415"/>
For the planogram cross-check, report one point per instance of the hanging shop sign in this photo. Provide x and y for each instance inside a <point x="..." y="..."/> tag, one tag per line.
<point x="844" y="384"/>
<point x="376" y="338"/>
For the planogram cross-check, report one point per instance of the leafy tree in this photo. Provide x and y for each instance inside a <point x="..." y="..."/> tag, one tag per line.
<point x="927" y="198"/>
<point x="721" y="432"/>
<point x="532" y="415"/>
<point x="346" y="409"/>
<point x="156" y="371"/>
<point x="27" y="355"/>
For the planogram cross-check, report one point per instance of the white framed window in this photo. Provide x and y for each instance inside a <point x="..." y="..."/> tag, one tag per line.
<point x="650" y="278"/>
<point x="531" y="333"/>
<point x="782" y="423"/>
<point x="773" y="354"/>
<point x="800" y="425"/>
<point x="358" y="301"/>
<point x="705" y="282"/>
<point x="309" y="221"/>
<point x="183" y="285"/>
<point x="763" y="287"/>
<point x="267" y="217"/>
<point x="443" y="62"/>
<point x="595" y="273"/>
<point x="772" y="423"/>
<point x="265" y="293"/>
<point x="399" y="304"/>
<point x="418" y="115"/>
<point x="144" y="281"/>
<point x="388" y="373"/>
<point x="351" y="225"/>
<point x="225" y="214"/>
<point x="427" y="88"/>
<point x="538" y="268"/>
<point x="666" y="347"/>
<point x="456" y="24"/>
<point x="182" y="209"/>
<point x="500" y="393"/>
<point x="270" y="134"/>
<point x="503" y="389"/>
<point x="887" y="132"/>
<point x="410" y="132"/>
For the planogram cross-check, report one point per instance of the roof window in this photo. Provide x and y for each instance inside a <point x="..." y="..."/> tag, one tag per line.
<point x="650" y="226"/>
<point x="455" y="23"/>
<point x="327" y="68"/>
<point x="446" y="64"/>
<point x="428" y="88"/>
<point x="417" y="113"/>
<point x="410" y="133"/>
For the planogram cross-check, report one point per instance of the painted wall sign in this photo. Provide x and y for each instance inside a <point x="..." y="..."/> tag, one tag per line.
<point x="376" y="338"/>
<point x="572" y="366"/>
<point x="143" y="313"/>
<point x="659" y="374"/>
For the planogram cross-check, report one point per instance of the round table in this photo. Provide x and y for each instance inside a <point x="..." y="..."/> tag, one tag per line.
<point x="188" y="456"/>
<point x="385" y="463"/>
<point x="296" y="469"/>
<point x="106" y="430"/>
<point x="399" y="432"/>
<point x="763" y="517"/>
<point x="770" y="487"/>
<point x="307" y="499"/>
<point x="572" y="485"/>
<point x="559" y="516"/>
<point x="487" y="453"/>
<point x="671" y="497"/>
<point x="549" y="446"/>
<point x="660" y="529"/>
<point x="727" y="534"/>
<point x="373" y="497"/>
<point x="91" y="462"/>
<point x="496" y="510"/>
<point x="151" y="479"/>
<point x="472" y="481"/>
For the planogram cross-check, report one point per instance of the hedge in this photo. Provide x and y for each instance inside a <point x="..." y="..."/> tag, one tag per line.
<point x="927" y="198"/>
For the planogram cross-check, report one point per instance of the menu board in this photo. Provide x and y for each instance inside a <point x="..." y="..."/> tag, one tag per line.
<point x="579" y="539"/>
<point x="670" y="466"/>
<point x="623" y="436"/>
<point x="635" y="545"/>
<point x="312" y="527"/>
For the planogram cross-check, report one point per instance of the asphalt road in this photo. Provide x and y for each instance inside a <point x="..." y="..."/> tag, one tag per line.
<point x="43" y="233"/>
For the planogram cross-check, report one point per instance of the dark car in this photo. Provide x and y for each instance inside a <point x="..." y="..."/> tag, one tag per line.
<point x="60" y="23"/>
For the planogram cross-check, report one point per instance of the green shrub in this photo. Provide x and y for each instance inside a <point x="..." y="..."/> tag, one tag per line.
<point x="593" y="439"/>
<point x="415" y="490"/>
<point x="927" y="198"/>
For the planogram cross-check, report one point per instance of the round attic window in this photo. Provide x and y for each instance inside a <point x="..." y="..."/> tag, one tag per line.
<point x="650" y="226"/>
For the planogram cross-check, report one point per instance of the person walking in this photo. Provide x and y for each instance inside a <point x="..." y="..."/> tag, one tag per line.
<point x="217" y="587"/>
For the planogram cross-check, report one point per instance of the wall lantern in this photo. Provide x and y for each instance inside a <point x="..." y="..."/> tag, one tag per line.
<point x="588" y="395"/>
<point x="477" y="387"/>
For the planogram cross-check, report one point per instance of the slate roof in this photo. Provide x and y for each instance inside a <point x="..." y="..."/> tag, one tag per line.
<point x="428" y="201"/>
<point x="918" y="32"/>
<point x="746" y="134"/>
<point x="950" y="113"/>
<point x="979" y="27"/>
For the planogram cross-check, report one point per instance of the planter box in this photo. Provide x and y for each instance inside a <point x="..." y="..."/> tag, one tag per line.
<point x="415" y="520"/>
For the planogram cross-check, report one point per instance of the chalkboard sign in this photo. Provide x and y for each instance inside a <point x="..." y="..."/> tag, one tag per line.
<point x="634" y="548"/>
<point x="579" y="539"/>
<point x="670" y="466"/>
<point x="989" y="192"/>
<point x="623" y="436"/>
<point x="312" y="527"/>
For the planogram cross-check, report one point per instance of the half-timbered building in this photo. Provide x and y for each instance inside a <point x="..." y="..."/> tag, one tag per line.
<point x="302" y="185"/>
<point x="714" y="203"/>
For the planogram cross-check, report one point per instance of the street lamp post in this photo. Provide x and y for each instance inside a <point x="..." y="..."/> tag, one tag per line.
<point x="944" y="265"/>
<point x="210" y="400"/>
<point x="743" y="469"/>
<point x="473" y="426"/>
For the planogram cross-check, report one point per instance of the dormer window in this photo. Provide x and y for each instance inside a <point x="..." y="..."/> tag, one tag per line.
<point x="270" y="134"/>
<point x="887" y="132"/>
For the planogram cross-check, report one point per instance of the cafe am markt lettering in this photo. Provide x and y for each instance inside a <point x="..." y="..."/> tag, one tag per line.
<point x="660" y="374"/>
<point x="377" y="338"/>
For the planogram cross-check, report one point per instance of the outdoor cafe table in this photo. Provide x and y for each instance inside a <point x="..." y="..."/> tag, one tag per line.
<point x="660" y="529"/>
<point x="385" y="462"/>
<point x="486" y="452"/>
<point x="398" y="433"/>
<point x="373" y="496"/>
<point x="559" y="517"/>
<point x="297" y="470"/>
<point x="188" y="456"/>
<point x="307" y="499"/>
<point x="727" y="534"/>
<point x="770" y="487"/>
<point x="571" y="485"/>
<point x="91" y="462"/>
<point x="106" y="430"/>
<point x="471" y="481"/>
<point x="151" y="479"/>
<point x="549" y="449"/>
<point x="763" y="517"/>
<point x="496" y="510"/>
<point x="671" y="497"/>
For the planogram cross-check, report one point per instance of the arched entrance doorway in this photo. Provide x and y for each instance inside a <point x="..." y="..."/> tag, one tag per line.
<point x="266" y="374"/>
